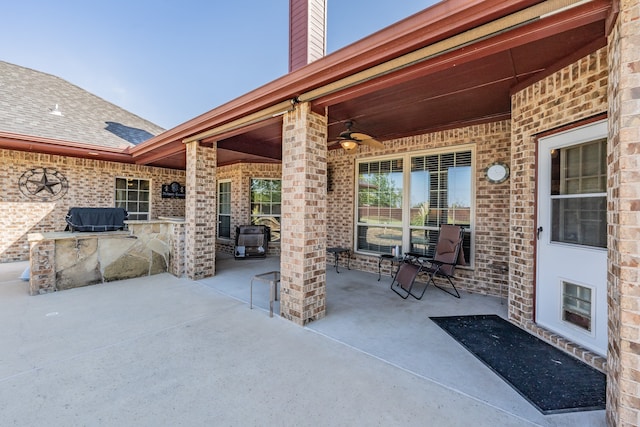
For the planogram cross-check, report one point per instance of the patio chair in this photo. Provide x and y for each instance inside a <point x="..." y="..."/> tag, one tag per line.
<point x="448" y="255"/>
<point x="405" y="277"/>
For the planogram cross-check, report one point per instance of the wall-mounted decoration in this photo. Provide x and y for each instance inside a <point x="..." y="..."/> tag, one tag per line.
<point x="173" y="191"/>
<point x="43" y="184"/>
<point x="497" y="172"/>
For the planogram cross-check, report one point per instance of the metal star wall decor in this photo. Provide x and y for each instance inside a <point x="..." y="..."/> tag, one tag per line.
<point x="43" y="184"/>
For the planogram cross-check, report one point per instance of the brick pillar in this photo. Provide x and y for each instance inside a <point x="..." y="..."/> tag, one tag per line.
<point x="42" y="266"/>
<point x="623" y="358"/>
<point x="304" y="213"/>
<point x="200" y="211"/>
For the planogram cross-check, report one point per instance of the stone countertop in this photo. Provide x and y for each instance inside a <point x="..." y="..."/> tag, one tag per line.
<point x="62" y="235"/>
<point x="159" y="220"/>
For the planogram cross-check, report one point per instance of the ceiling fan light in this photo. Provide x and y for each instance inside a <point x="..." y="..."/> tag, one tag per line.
<point x="349" y="144"/>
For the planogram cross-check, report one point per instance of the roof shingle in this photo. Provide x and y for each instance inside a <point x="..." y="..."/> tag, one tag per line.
<point x="28" y="97"/>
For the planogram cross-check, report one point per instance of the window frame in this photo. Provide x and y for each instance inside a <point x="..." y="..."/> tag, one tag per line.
<point x="406" y="226"/>
<point x="126" y="201"/>
<point x="218" y="214"/>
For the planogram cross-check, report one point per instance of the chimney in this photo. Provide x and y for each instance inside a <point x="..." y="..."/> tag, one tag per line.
<point x="307" y="32"/>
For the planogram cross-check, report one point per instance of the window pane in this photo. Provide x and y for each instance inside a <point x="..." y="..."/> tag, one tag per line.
<point x="121" y="184"/>
<point x="580" y="220"/>
<point x="265" y="204"/>
<point x="579" y="169"/>
<point x="133" y="184"/>
<point x="380" y="192"/>
<point x="424" y="242"/>
<point x="378" y="239"/>
<point x="576" y="305"/>
<point x="131" y="191"/>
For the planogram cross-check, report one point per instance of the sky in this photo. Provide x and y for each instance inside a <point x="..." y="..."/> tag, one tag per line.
<point x="169" y="61"/>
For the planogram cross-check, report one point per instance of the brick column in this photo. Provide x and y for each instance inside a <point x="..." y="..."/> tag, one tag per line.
<point x="200" y="211"/>
<point x="623" y="359"/>
<point x="304" y="228"/>
<point x="42" y="266"/>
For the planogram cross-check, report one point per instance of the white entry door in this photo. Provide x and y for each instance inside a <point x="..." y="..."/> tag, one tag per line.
<point x="571" y="281"/>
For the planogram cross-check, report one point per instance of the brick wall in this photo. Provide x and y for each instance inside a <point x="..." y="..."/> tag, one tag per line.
<point x="613" y="208"/>
<point x="623" y="376"/>
<point x="574" y="93"/>
<point x="491" y="234"/>
<point x="91" y="184"/>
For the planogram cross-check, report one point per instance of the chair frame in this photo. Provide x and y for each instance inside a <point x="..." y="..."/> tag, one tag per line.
<point x="435" y="267"/>
<point x="405" y="276"/>
<point x="416" y="263"/>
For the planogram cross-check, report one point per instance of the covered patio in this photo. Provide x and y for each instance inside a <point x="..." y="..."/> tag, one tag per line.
<point x="365" y="315"/>
<point x="164" y="350"/>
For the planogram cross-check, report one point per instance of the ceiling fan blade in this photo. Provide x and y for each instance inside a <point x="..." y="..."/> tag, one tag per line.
<point x="372" y="143"/>
<point x="359" y="136"/>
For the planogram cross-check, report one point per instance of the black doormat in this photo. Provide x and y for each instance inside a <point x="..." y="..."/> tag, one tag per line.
<point x="548" y="378"/>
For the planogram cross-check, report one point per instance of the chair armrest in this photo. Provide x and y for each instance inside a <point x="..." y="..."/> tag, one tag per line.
<point x="433" y="261"/>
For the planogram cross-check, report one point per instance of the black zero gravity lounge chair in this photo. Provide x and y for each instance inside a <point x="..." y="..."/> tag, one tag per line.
<point x="447" y="255"/>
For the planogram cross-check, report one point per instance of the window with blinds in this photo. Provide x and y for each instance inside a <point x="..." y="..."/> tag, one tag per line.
<point x="440" y="194"/>
<point x="379" y="212"/>
<point x="403" y="201"/>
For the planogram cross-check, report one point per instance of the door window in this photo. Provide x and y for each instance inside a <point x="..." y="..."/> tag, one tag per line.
<point x="578" y="194"/>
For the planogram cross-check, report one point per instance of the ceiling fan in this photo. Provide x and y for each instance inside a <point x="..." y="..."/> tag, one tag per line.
<point x="350" y="140"/>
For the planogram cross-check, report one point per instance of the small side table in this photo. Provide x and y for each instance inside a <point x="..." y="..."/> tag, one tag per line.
<point x="389" y="257"/>
<point x="271" y="277"/>
<point x="336" y="253"/>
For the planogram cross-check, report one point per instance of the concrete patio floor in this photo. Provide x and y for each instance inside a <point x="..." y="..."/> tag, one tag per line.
<point x="163" y="351"/>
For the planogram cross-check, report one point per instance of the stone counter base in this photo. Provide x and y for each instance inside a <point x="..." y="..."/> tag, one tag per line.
<point x="68" y="260"/>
